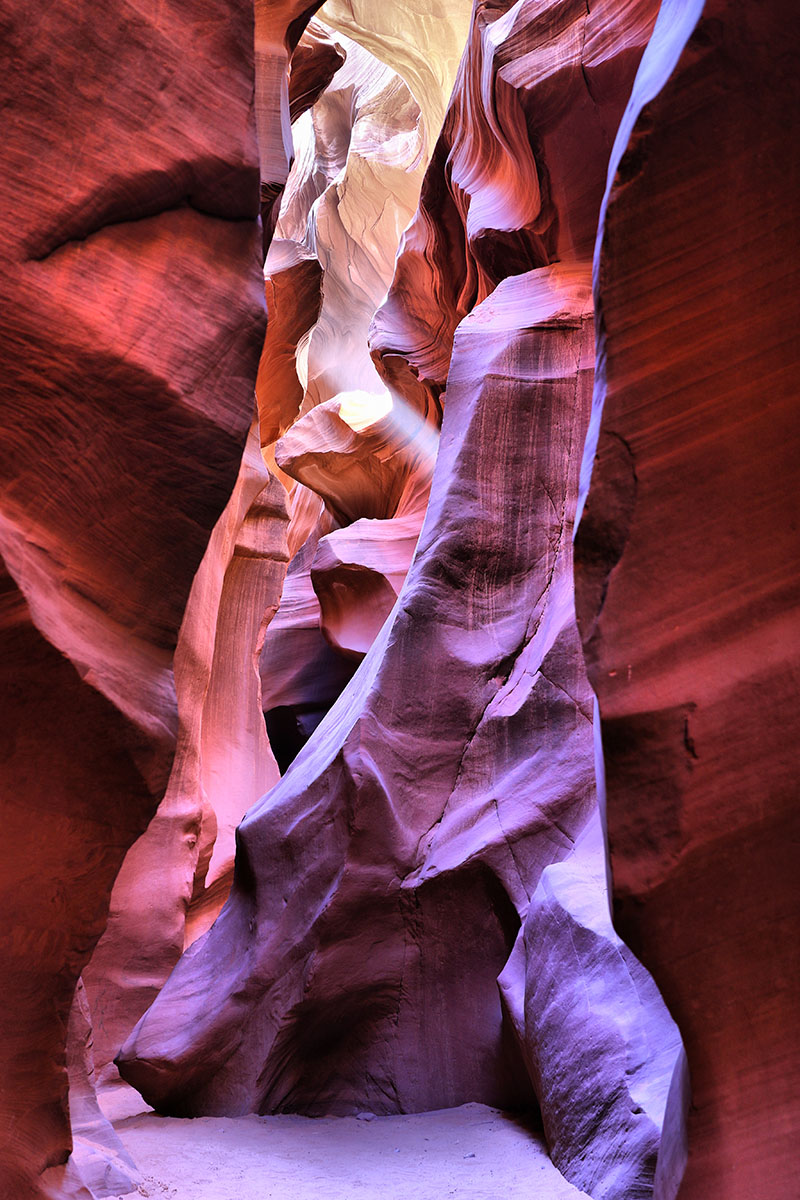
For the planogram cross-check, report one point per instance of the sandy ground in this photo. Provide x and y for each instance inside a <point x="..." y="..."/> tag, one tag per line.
<point x="471" y="1153"/>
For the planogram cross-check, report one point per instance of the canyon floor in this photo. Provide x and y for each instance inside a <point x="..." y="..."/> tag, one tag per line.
<point x="471" y="1153"/>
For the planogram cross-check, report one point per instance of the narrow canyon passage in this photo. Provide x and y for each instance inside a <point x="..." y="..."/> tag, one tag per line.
<point x="399" y="651"/>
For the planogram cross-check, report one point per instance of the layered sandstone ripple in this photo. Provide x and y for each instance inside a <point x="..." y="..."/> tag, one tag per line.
<point x="132" y="314"/>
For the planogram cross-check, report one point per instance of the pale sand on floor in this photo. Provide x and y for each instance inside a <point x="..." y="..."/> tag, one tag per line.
<point x="469" y="1153"/>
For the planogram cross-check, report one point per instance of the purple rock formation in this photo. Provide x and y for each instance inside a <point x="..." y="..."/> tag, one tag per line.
<point x="383" y="883"/>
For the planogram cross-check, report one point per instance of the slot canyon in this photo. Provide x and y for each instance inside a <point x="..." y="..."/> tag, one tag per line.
<point x="400" y="620"/>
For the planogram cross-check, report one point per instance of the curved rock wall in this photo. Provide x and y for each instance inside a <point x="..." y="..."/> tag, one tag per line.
<point x="382" y="885"/>
<point x="132" y="321"/>
<point x="177" y="876"/>
<point x="686" y="580"/>
<point x="420" y="912"/>
<point x="360" y="157"/>
<point x="350" y="876"/>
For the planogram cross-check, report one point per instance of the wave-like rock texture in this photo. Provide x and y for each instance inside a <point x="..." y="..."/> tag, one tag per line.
<point x="596" y="1036"/>
<point x="687" y="570"/>
<point x="422" y="40"/>
<point x="176" y="877"/>
<point x="343" y="455"/>
<point x="358" y="573"/>
<point x="381" y="886"/>
<point x="313" y="64"/>
<point x="518" y="173"/>
<point x="279" y="28"/>
<point x="373" y="473"/>
<point x="353" y="188"/>
<point x="565" y="99"/>
<point x="336" y="979"/>
<point x="132" y="314"/>
<point x="99" y="1164"/>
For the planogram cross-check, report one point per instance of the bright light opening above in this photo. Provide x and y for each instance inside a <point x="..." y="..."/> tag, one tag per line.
<point x="360" y="409"/>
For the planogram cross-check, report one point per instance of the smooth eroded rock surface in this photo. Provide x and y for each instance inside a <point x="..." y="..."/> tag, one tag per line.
<point x="382" y="885"/>
<point x="343" y="614"/>
<point x="686" y="580"/>
<point x="132" y="319"/>
<point x="352" y="881"/>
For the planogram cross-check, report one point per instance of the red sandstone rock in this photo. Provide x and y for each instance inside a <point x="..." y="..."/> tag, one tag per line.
<point x="359" y="469"/>
<point x="380" y="886"/>
<point x="358" y="573"/>
<point x="687" y="581"/>
<point x="349" y="821"/>
<point x="301" y="675"/>
<point x="314" y="62"/>
<point x="132" y="316"/>
<point x="422" y="40"/>
<point x="279" y="25"/>
<point x="359" y="162"/>
<point x="176" y="877"/>
<point x="68" y="817"/>
<point x="518" y="173"/>
<point x="353" y="189"/>
<point x="596" y="1036"/>
<point x="293" y="290"/>
<point x="99" y="1164"/>
<point x="337" y="978"/>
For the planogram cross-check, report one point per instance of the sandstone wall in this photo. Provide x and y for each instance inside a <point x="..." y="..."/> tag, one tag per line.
<point x="686" y="576"/>
<point x="132" y="321"/>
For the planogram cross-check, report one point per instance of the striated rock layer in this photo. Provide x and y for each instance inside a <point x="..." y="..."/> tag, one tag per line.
<point x="422" y="40"/>
<point x="687" y="581"/>
<point x="596" y="1037"/>
<point x="383" y="884"/>
<point x="132" y="316"/>
<point x="177" y="876"/>
<point x="181" y="867"/>
<point x="346" y="453"/>
<point x="419" y="914"/>
<point x="517" y="175"/>
<point x="353" y="882"/>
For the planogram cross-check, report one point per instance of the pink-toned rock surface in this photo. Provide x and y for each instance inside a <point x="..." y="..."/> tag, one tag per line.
<point x="597" y="1038"/>
<point x="359" y="470"/>
<point x="182" y="865"/>
<point x="68" y="817"/>
<point x="339" y="148"/>
<point x="352" y="190"/>
<point x="279" y="26"/>
<point x="382" y="995"/>
<point x="422" y="40"/>
<point x="373" y="477"/>
<point x="518" y="173"/>
<point x="404" y="869"/>
<point x="439" y="834"/>
<point x="293" y="289"/>
<point x="346" y="450"/>
<point x="99" y="1162"/>
<point x="357" y="574"/>
<point x="314" y="62"/>
<point x="687" y="582"/>
<point x="382" y="884"/>
<point x="177" y="876"/>
<point x="132" y="318"/>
